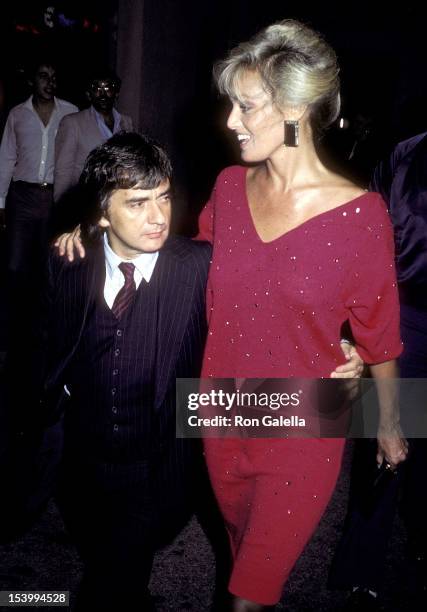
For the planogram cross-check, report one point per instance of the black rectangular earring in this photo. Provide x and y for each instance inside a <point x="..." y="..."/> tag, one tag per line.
<point x="291" y="134"/>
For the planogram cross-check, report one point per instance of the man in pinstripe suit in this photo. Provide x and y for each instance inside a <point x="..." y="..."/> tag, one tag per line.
<point x="118" y="337"/>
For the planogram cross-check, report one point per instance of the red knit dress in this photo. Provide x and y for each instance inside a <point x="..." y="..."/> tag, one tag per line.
<point x="275" y="310"/>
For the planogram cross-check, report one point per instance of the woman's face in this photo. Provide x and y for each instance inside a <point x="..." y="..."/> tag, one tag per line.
<point x="255" y="119"/>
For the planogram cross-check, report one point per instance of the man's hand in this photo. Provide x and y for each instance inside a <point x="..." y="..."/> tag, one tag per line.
<point x="70" y="243"/>
<point x="392" y="446"/>
<point x="354" y="366"/>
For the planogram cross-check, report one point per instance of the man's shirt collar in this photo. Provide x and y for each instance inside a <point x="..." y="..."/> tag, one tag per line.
<point x="144" y="263"/>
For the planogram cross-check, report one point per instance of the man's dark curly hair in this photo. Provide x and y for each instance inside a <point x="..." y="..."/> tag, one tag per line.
<point x="126" y="160"/>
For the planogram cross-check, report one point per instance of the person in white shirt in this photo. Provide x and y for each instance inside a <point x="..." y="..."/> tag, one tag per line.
<point x="26" y="198"/>
<point x="26" y="169"/>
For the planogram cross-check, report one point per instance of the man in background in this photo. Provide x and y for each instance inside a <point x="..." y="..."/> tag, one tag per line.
<point x="80" y="133"/>
<point x="26" y="172"/>
<point x="360" y="559"/>
<point x="26" y="198"/>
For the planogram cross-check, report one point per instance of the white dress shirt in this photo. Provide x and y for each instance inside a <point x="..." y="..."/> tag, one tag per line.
<point x="114" y="278"/>
<point x="28" y="146"/>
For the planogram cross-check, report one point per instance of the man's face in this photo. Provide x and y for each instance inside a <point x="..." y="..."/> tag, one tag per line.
<point x="138" y="220"/>
<point x="44" y="82"/>
<point x="102" y="94"/>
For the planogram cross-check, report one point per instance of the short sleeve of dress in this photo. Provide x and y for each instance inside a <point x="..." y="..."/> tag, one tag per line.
<point x="372" y="299"/>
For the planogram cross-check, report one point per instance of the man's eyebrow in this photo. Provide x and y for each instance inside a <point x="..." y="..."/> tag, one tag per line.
<point x="146" y="198"/>
<point x="167" y="191"/>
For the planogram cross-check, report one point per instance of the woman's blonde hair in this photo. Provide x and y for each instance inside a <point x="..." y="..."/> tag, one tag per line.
<point x="297" y="67"/>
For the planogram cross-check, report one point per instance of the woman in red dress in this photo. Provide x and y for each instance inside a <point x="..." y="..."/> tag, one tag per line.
<point x="298" y="250"/>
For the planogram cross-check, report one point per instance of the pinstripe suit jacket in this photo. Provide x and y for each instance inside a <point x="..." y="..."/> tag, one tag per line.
<point x="71" y="292"/>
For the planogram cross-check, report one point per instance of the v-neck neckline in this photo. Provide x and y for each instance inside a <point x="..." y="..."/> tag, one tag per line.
<point x="341" y="207"/>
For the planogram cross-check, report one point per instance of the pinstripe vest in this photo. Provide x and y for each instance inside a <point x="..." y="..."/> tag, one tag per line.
<point x="112" y="381"/>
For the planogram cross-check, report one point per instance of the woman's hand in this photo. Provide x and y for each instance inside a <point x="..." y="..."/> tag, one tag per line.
<point x="70" y="243"/>
<point x="392" y="446"/>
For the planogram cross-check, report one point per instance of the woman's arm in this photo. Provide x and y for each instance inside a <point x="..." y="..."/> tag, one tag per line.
<point x="392" y="445"/>
<point x="70" y="242"/>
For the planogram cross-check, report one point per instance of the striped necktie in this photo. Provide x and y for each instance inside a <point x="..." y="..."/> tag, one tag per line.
<point x="125" y="296"/>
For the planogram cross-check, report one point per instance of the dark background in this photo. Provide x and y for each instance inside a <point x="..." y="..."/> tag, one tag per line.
<point x="164" y="51"/>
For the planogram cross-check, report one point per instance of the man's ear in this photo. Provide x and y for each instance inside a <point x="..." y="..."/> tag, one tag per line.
<point x="103" y="222"/>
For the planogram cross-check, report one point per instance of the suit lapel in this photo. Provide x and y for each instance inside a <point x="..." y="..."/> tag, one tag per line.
<point x="93" y="133"/>
<point x="176" y="291"/>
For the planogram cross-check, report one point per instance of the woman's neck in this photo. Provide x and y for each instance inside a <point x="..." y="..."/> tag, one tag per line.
<point x="292" y="167"/>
